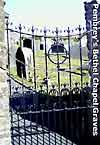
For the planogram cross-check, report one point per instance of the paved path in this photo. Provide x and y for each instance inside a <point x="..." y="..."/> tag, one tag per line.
<point x="40" y="134"/>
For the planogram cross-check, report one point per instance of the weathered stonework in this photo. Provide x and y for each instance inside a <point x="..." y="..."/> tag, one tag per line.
<point x="5" y="138"/>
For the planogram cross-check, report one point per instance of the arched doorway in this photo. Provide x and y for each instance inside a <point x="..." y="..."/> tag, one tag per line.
<point x="20" y="61"/>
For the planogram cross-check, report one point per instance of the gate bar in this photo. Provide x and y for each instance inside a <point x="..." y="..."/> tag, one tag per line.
<point x="70" y="78"/>
<point x="58" y="65"/>
<point x="46" y="62"/>
<point x="7" y="26"/>
<point x="80" y="46"/>
<point x="34" y="63"/>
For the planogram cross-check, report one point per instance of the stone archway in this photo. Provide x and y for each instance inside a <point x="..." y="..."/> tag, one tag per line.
<point x="20" y="61"/>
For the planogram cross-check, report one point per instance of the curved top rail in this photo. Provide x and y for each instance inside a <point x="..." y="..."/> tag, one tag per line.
<point x="48" y="33"/>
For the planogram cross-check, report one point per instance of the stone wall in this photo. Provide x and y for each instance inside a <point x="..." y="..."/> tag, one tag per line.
<point x="4" y="93"/>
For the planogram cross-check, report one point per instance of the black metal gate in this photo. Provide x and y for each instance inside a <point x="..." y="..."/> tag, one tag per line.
<point x="41" y="114"/>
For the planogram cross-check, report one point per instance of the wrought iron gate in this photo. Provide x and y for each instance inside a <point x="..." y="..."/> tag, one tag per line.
<point x="59" y="114"/>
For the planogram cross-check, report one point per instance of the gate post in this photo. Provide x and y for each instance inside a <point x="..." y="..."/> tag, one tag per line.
<point x="4" y="95"/>
<point x="93" y="44"/>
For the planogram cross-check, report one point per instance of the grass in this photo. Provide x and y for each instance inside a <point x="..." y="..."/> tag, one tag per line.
<point x="13" y="73"/>
<point x="52" y="71"/>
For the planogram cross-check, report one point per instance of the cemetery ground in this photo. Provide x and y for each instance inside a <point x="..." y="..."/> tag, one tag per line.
<point x="52" y="71"/>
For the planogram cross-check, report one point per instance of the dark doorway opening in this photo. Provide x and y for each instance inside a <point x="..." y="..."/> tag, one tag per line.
<point x="27" y="43"/>
<point x="41" y="47"/>
<point x="20" y="63"/>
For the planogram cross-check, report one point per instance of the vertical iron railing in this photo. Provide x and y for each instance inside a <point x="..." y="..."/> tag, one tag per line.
<point x="58" y="63"/>
<point x="70" y="76"/>
<point x="55" y="124"/>
<point x="20" y="36"/>
<point x="8" y="47"/>
<point x="19" y="132"/>
<point x="34" y="63"/>
<point x="20" y="45"/>
<point x="81" y="72"/>
<point x="80" y="46"/>
<point x="46" y="60"/>
<point x="30" y="124"/>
